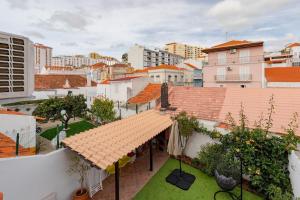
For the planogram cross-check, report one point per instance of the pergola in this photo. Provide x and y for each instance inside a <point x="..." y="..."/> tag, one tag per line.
<point x="105" y="145"/>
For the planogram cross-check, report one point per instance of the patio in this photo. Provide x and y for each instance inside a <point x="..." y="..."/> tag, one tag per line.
<point x="133" y="177"/>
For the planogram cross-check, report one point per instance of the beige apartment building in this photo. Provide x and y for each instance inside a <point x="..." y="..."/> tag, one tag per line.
<point x="186" y="51"/>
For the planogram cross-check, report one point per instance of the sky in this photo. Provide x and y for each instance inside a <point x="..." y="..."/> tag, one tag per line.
<point x="110" y="27"/>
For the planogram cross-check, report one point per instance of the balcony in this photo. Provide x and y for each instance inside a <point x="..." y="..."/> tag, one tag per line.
<point x="235" y="61"/>
<point x="233" y="78"/>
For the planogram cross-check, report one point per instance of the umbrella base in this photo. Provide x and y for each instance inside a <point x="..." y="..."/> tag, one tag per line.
<point x="181" y="180"/>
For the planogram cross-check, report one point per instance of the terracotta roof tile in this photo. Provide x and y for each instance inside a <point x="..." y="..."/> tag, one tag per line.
<point x="60" y="68"/>
<point x="99" y="65"/>
<point x="8" y="148"/>
<point x="170" y="67"/>
<point x="10" y="112"/>
<point x="106" y="144"/>
<point x="190" y="65"/>
<point x="282" y="74"/>
<point x="233" y="44"/>
<point x="203" y="103"/>
<point x="105" y="82"/>
<point x="56" y="81"/>
<point x="149" y="93"/>
<point x="295" y="44"/>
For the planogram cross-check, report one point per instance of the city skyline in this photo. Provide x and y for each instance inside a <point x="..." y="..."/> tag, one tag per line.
<point x="110" y="28"/>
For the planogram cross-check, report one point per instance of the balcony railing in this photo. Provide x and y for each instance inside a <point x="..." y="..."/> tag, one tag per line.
<point x="235" y="61"/>
<point x="233" y="78"/>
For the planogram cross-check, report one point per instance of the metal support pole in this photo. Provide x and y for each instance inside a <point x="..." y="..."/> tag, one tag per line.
<point x="126" y="106"/>
<point x="136" y="109"/>
<point x="120" y="113"/>
<point x="118" y="105"/>
<point x="151" y="155"/>
<point x="17" y="144"/>
<point x="57" y="136"/>
<point x="117" y="187"/>
<point x="149" y="105"/>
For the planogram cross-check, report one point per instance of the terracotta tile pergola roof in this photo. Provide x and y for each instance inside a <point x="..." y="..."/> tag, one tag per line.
<point x="283" y="74"/>
<point x="149" y="93"/>
<point x="105" y="145"/>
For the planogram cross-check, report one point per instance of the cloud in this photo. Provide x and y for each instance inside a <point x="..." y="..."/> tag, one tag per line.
<point x="69" y="44"/>
<point x="17" y="4"/>
<point x="34" y="34"/>
<point x="64" y="21"/>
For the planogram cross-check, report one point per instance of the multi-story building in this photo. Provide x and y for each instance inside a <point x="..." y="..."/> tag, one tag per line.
<point x="278" y="59"/>
<point x="81" y="61"/>
<point x="293" y="49"/>
<point x="185" y="50"/>
<point x="140" y="57"/>
<point x="16" y="67"/>
<point x="237" y="63"/>
<point x="42" y="57"/>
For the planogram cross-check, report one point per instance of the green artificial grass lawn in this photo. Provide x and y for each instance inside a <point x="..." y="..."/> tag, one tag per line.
<point x="73" y="129"/>
<point x="203" y="188"/>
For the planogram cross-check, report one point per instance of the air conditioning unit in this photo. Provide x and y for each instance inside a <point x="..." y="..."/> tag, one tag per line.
<point x="229" y="68"/>
<point x="232" y="51"/>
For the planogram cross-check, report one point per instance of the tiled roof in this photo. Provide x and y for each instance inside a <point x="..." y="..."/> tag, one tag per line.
<point x="10" y="112"/>
<point x="276" y="61"/>
<point x="125" y="78"/>
<point x="105" y="82"/>
<point x="203" y="103"/>
<point x="58" y="81"/>
<point x="256" y="103"/>
<point x="98" y="65"/>
<point x="145" y="70"/>
<point x="295" y="44"/>
<point x="119" y="65"/>
<point x="170" y="67"/>
<point x="214" y="104"/>
<point x="8" y="148"/>
<point x="233" y="44"/>
<point x="190" y="65"/>
<point x="282" y="74"/>
<point x="105" y="145"/>
<point x="149" y="93"/>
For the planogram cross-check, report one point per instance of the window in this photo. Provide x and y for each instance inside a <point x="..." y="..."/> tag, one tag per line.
<point x="245" y="74"/>
<point x="152" y="76"/>
<point x="222" y="58"/>
<point x="169" y="78"/>
<point x="221" y="73"/>
<point x="175" y="77"/>
<point x="244" y="56"/>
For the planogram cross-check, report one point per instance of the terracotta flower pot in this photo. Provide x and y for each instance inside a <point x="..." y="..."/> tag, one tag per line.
<point x="81" y="196"/>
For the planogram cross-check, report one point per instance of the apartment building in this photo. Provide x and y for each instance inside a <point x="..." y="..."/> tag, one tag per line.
<point x="236" y="63"/>
<point x="293" y="49"/>
<point x="16" y="67"/>
<point x="42" y="57"/>
<point x="185" y="50"/>
<point x="140" y="57"/>
<point x="81" y="61"/>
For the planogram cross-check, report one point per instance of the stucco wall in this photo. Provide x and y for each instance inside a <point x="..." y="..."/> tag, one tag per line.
<point x="294" y="168"/>
<point x="35" y="177"/>
<point x="23" y="124"/>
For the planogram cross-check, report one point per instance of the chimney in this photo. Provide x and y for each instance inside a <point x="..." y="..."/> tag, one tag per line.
<point x="164" y="97"/>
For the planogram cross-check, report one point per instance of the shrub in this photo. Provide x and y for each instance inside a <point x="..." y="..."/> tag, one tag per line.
<point x="209" y="156"/>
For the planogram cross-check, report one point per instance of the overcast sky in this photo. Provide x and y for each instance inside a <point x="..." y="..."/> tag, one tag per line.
<point x="110" y="27"/>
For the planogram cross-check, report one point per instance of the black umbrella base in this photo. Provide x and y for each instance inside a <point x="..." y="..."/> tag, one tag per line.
<point x="181" y="180"/>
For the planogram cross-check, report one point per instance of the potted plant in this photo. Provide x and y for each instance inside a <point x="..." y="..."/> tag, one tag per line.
<point x="80" y="168"/>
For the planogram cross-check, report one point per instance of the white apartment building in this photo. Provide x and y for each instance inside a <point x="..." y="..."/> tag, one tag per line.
<point x="140" y="57"/>
<point x="16" y="67"/>
<point x="294" y="50"/>
<point x="80" y="61"/>
<point x="42" y="57"/>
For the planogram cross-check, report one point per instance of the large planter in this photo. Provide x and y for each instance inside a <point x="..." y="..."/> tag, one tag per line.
<point x="81" y="196"/>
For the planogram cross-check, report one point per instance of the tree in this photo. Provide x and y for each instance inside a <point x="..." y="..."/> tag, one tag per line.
<point x="104" y="109"/>
<point x="125" y="57"/>
<point x="74" y="105"/>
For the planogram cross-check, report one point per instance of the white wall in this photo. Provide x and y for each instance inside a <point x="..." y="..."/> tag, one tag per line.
<point x="294" y="168"/>
<point x="283" y="84"/>
<point x="23" y="124"/>
<point x="35" y="177"/>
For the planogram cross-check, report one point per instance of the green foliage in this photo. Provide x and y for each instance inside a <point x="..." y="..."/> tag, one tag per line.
<point x="209" y="156"/>
<point x="24" y="102"/>
<point x="186" y="124"/>
<point x="104" y="109"/>
<point x="51" y="108"/>
<point x="265" y="156"/>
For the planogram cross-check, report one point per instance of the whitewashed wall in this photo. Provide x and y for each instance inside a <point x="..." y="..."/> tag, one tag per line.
<point x="196" y="141"/>
<point x="36" y="177"/>
<point x="294" y="168"/>
<point x="25" y="125"/>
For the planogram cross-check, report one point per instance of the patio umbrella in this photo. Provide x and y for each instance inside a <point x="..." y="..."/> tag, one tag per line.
<point x="174" y="146"/>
